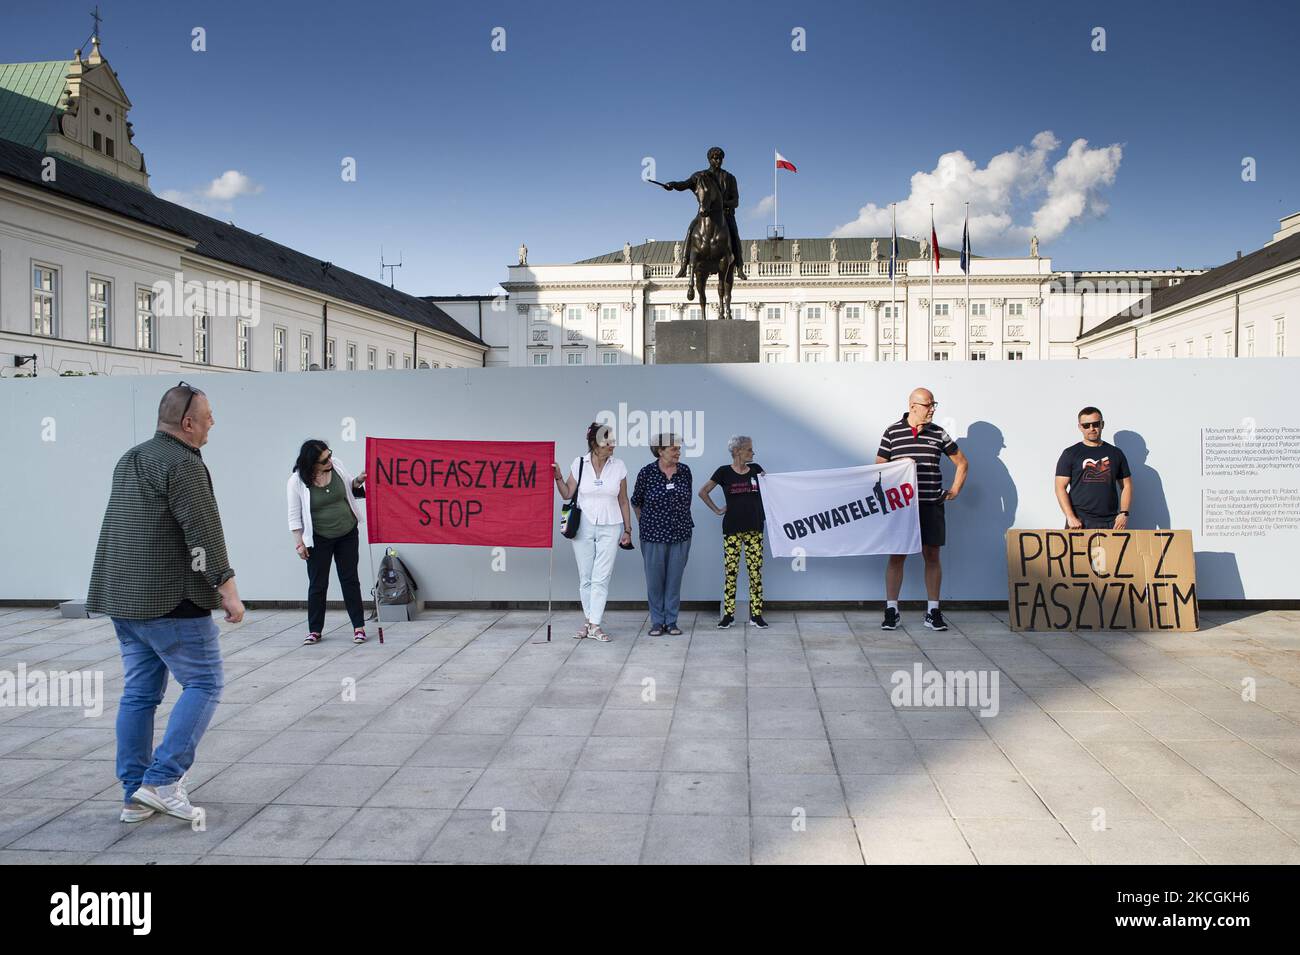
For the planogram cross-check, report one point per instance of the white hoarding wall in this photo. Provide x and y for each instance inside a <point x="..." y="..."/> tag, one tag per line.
<point x="1214" y="446"/>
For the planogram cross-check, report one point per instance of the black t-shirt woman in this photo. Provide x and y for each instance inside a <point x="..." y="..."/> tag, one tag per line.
<point x="742" y="528"/>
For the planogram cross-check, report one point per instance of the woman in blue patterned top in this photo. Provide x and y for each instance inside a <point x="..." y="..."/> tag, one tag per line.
<point x="662" y="502"/>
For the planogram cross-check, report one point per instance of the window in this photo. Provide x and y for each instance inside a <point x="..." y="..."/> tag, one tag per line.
<point x="813" y="313"/>
<point x="693" y="313"/>
<point x="608" y="313"/>
<point x="978" y="309"/>
<point x="304" y="351"/>
<point x="979" y="354"/>
<point x="1015" y="308"/>
<point x="97" y="141"/>
<point x="243" y="330"/>
<point x="773" y="313"/>
<point x="1157" y="352"/>
<point x="939" y="354"/>
<point x="108" y="147"/>
<point x="1249" y="347"/>
<point x="892" y="311"/>
<point x="201" y="353"/>
<point x="372" y="359"/>
<point x="659" y="313"/>
<point x="541" y="314"/>
<point x="609" y="358"/>
<point x="45" y="300"/>
<point x="813" y="356"/>
<point x="1209" y="346"/>
<point x="1015" y="354"/>
<point x="144" y="322"/>
<point x="329" y="353"/>
<point x="99" y="298"/>
<point x="737" y="313"/>
<point x="539" y="358"/>
<point x="853" y="313"/>
<point x="940" y="309"/>
<point x="278" y="350"/>
<point x="351" y="358"/>
<point x="573" y="315"/>
<point x="1279" y="337"/>
<point x="392" y="359"/>
<point x="773" y="358"/>
<point x="406" y="361"/>
<point x="887" y="355"/>
<point x="1227" y="344"/>
<point x="1190" y="348"/>
<point x="574" y="358"/>
<point x="851" y="354"/>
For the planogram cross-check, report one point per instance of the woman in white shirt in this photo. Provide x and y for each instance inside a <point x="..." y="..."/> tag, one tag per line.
<point x="601" y="482"/>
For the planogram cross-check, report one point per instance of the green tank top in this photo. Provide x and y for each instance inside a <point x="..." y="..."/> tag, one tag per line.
<point x="331" y="515"/>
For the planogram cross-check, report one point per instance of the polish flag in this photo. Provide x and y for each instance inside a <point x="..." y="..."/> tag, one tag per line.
<point x="783" y="163"/>
<point x="934" y="245"/>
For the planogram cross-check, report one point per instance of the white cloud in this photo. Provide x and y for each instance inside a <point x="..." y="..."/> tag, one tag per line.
<point x="217" y="197"/>
<point x="762" y="207"/>
<point x="1015" y="184"/>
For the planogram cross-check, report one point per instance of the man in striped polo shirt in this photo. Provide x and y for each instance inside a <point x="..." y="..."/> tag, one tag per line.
<point x="916" y="436"/>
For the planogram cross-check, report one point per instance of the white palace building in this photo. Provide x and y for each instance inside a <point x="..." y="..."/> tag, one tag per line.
<point x="100" y="276"/>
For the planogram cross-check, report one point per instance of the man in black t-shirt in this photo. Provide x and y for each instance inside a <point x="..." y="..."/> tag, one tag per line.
<point x="1093" y="483"/>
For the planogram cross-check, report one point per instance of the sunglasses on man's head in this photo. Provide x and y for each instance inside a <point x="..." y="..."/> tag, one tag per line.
<point x="193" y="391"/>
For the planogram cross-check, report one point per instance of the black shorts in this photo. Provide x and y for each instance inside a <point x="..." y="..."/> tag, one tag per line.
<point x="934" y="530"/>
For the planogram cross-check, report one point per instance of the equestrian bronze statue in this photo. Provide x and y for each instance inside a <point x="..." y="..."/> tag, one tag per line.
<point x="712" y="239"/>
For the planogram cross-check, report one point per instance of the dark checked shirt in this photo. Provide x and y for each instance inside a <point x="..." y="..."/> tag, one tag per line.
<point x="926" y="447"/>
<point x="665" y="505"/>
<point x="161" y="524"/>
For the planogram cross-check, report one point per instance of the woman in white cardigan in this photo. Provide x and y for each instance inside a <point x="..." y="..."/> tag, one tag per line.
<point x="323" y="517"/>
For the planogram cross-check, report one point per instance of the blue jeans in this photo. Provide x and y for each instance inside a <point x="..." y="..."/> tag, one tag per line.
<point x="664" y="566"/>
<point x="188" y="648"/>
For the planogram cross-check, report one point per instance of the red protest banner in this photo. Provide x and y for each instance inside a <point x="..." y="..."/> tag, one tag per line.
<point x="487" y="493"/>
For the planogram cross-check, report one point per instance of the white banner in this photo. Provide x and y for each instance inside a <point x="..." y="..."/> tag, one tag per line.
<point x="843" y="512"/>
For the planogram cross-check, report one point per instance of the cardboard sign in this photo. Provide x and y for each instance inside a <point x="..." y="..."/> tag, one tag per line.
<point x="484" y="493"/>
<point x="1101" y="580"/>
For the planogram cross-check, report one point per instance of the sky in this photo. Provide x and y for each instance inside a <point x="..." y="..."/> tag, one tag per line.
<point x="1123" y="135"/>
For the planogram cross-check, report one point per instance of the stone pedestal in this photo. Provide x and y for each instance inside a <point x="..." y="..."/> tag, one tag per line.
<point x="700" y="342"/>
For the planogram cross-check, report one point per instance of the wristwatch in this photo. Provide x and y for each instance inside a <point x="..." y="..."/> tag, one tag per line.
<point x="1125" y="513"/>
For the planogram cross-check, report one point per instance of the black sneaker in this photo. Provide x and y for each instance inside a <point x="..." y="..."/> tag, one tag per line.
<point x="726" y="622"/>
<point x="758" y="621"/>
<point x="934" y="620"/>
<point x="891" y="619"/>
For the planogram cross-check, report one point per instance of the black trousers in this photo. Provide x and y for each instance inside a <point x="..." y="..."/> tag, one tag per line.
<point x="344" y="552"/>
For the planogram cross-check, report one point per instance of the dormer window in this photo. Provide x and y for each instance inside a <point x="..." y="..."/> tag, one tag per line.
<point x="97" y="142"/>
<point x="108" y="148"/>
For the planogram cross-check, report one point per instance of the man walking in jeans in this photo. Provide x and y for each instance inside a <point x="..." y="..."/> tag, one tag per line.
<point x="160" y="570"/>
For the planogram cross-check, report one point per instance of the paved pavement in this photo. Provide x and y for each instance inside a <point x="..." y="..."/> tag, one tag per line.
<point x="462" y="739"/>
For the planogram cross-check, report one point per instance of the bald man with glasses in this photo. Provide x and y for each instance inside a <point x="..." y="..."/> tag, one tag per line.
<point x="1094" y="485"/>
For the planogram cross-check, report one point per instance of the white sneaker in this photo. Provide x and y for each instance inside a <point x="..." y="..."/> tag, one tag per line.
<point x="135" y="813"/>
<point x="173" y="800"/>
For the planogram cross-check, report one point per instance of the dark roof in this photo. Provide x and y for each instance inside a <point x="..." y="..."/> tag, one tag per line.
<point x="224" y="242"/>
<point x="810" y="250"/>
<point x="1270" y="257"/>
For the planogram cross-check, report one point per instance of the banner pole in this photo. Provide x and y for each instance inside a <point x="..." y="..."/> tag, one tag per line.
<point x="550" y="577"/>
<point x="374" y="586"/>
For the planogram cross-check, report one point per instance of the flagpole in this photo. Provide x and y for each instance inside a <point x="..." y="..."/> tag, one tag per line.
<point x="965" y="237"/>
<point x="774" y="202"/>
<point x="893" y="284"/>
<point x="933" y="251"/>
